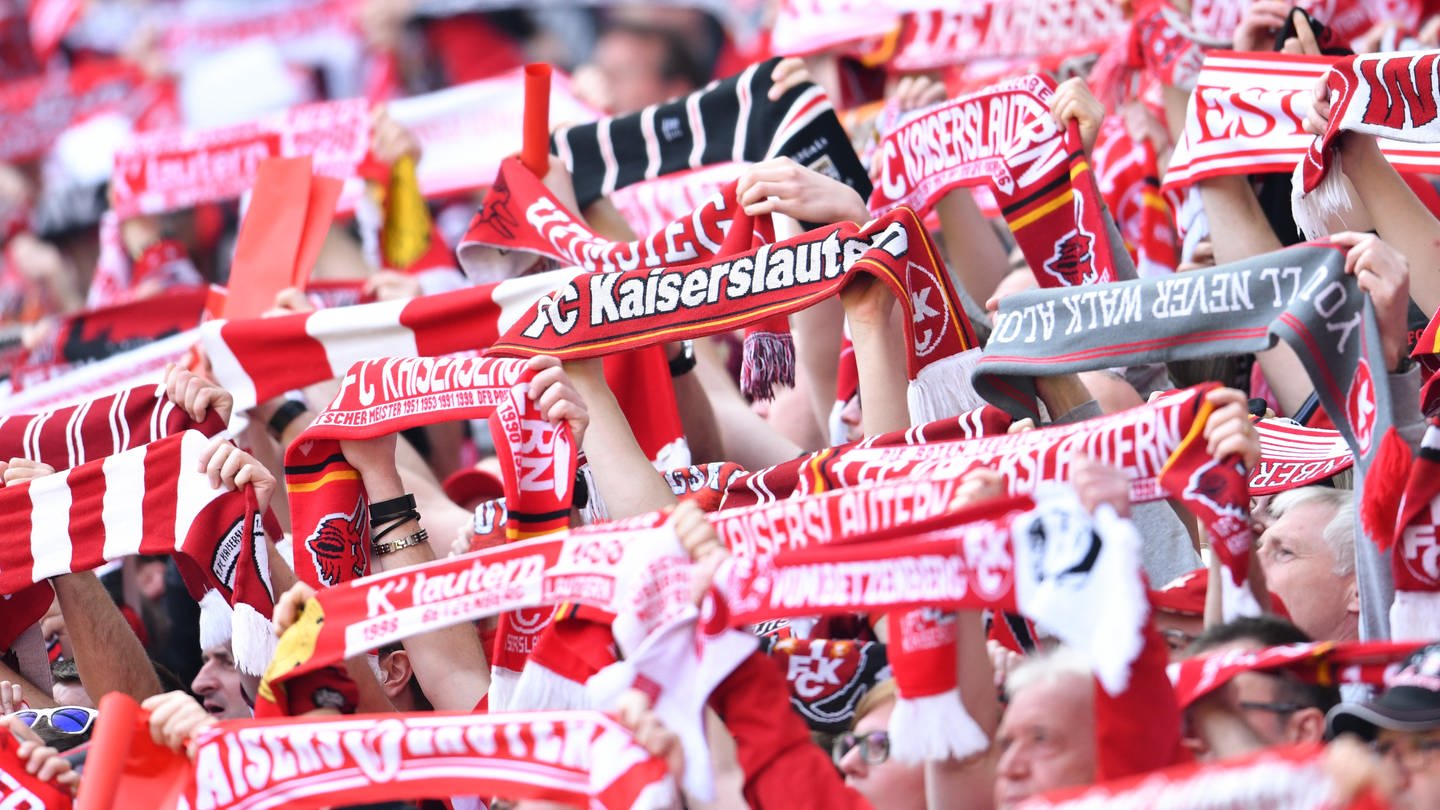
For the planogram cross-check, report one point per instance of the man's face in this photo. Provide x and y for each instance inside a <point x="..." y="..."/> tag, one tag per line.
<point x="1414" y="757"/>
<point x="631" y="68"/>
<point x="218" y="685"/>
<point x="1300" y="568"/>
<point x="891" y="784"/>
<point x="1046" y="740"/>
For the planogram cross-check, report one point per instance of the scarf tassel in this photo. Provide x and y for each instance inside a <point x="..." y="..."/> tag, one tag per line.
<point x="1316" y="209"/>
<point x="503" y="681"/>
<point x="768" y="360"/>
<point x="540" y="688"/>
<point x="1385" y="489"/>
<point x="942" y="389"/>
<point x="935" y="728"/>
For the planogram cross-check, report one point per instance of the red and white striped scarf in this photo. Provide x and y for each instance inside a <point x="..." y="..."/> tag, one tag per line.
<point x="34" y="111"/>
<point x="153" y="499"/>
<point x="1389" y="96"/>
<point x="385" y="396"/>
<point x="1294" y="456"/>
<point x="1128" y="176"/>
<point x="1005" y="137"/>
<point x="584" y="759"/>
<point x="70" y="436"/>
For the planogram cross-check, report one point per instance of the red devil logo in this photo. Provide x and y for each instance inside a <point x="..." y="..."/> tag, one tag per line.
<point x="337" y="546"/>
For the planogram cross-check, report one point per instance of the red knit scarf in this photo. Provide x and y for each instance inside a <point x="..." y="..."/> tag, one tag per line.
<point x="23" y="791"/>
<point x="152" y="499"/>
<point x="1324" y="662"/>
<point x="1005" y="137"/>
<point x="384" y="396"/>
<point x="1002" y="29"/>
<point x="575" y="758"/>
<point x="1128" y="176"/>
<point x="34" y="111"/>
<point x="601" y="313"/>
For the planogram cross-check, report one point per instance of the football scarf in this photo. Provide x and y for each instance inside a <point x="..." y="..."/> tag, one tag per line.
<point x="34" y="111"/>
<point x="1323" y="662"/>
<point x="23" y="790"/>
<point x="167" y="170"/>
<point x="152" y="499"/>
<point x="732" y="120"/>
<point x="1390" y="96"/>
<point x="1128" y="176"/>
<point x="583" y="759"/>
<point x="1294" y="777"/>
<point x="595" y="314"/>
<point x="70" y="436"/>
<point x="1293" y="456"/>
<point x="1415" y="557"/>
<point x="1005" y="137"/>
<point x="518" y="196"/>
<point x="1301" y="295"/>
<point x="379" y="397"/>
<point x="96" y="334"/>
<point x="1003" y="29"/>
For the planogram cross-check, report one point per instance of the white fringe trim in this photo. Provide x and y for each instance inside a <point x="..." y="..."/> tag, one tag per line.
<point x="216" y="620"/>
<point x="253" y="639"/>
<point x="1315" y="211"/>
<point x="1415" y="615"/>
<point x="934" y="728"/>
<point x="502" y="688"/>
<point x="943" y="389"/>
<point x="541" y="688"/>
<point x="606" y="686"/>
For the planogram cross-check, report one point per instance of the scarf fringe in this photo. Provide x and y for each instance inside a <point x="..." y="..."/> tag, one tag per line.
<point x="1313" y="212"/>
<point x="1415" y="615"/>
<point x="253" y="640"/>
<point x="934" y="728"/>
<point x="502" y="688"/>
<point x="540" y="688"/>
<point x="216" y="620"/>
<point x="943" y="388"/>
<point x="769" y="360"/>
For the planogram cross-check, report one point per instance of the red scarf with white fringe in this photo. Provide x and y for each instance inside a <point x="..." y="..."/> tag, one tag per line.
<point x="379" y="397"/>
<point x="70" y="436"/>
<point x="151" y="499"/>
<point x="1004" y="137"/>
<point x="1386" y="95"/>
<point x="575" y="758"/>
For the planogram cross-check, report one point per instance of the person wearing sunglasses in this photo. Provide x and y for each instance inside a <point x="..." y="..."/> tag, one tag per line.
<point x="863" y="756"/>
<point x="60" y="727"/>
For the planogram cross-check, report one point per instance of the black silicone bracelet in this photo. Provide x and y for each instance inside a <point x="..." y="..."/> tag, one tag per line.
<point x="391" y="509"/>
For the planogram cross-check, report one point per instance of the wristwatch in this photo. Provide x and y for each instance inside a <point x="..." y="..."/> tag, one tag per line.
<point x="684" y="362"/>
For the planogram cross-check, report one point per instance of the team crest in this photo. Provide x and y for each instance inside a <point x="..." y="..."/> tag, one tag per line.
<point x="337" y="547"/>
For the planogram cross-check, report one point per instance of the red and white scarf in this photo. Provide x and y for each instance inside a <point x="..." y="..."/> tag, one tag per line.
<point x="34" y="111"/>
<point x="1292" y="777"/>
<point x="1004" y="29"/>
<point x="171" y="169"/>
<point x="1294" y="456"/>
<point x="1415" y="556"/>
<point x="1390" y="96"/>
<point x="601" y="313"/>
<point x="329" y="515"/>
<point x="584" y="759"/>
<point x="70" y="436"/>
<point x="22" y="790"/>
<point x="1005" y="137"/>
<point x="153" y="499"/>
<point x="1128" y="176"/>
<point x="1323" y="662"/>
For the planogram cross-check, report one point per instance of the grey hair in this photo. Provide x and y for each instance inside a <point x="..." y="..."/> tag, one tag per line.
<point x="1045" y="668"/>
<point x="1339" y="533"/>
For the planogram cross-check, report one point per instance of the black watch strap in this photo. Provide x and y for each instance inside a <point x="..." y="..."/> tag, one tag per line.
<point x="684" y="362"/>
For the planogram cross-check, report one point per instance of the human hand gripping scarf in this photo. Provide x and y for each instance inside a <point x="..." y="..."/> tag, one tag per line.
<point x="1005" y="138"/>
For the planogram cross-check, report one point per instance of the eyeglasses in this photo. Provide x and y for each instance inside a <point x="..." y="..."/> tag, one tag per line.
<point x="1412" y="752"/>
<point x="1276" y="708"/>
<point x="874" y="747"/>
<point x="65" y="719"/>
